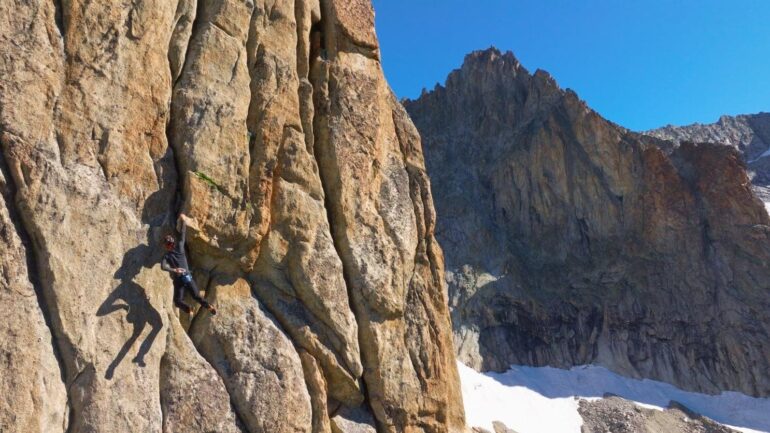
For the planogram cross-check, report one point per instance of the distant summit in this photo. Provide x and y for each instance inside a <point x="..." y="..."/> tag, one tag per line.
<point x="749" y="134"/>
<point x="570" y="240"/>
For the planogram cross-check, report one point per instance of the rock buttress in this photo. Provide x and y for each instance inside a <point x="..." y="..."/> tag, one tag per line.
<point x="313" y="232"/>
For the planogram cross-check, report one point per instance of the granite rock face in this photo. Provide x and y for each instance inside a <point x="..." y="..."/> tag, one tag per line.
<point x="34" y="398"/>
<point x="570" y="240"/>
<point x="271" y="125"/>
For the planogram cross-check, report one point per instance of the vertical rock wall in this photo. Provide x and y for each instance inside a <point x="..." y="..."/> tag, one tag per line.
<point x="271" y="125"/>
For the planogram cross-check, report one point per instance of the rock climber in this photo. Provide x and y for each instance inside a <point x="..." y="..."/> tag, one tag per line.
<point x="175" y="263"/>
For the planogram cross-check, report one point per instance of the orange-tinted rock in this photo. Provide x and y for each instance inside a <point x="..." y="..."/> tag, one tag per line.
<point x="116" y="116"/>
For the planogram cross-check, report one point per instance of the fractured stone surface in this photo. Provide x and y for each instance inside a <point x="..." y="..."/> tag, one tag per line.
<point x="115" y="117"/>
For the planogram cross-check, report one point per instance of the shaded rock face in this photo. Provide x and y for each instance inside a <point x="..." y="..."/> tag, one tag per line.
<point x="570" y="240"/>
<point x="749" y="134"/>
<point x="271" y="125"/>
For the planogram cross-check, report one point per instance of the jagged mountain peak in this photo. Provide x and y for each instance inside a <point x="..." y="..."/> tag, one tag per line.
<point x="492" y="55"/>
<point x="492" y="87"/>
<point x="493" y="66"/>
<point x="570" y="240"/>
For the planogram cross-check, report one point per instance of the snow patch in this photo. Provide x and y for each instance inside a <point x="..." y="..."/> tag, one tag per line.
<point x="545" y="399"/>
<point x="518" y="407"/>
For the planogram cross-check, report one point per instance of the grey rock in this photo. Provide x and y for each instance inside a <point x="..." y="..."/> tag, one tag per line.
<point x="617" y="415"/>
<point x="353" y="420"/>
<point x="570" y="240"/>
<point x="749" y="134"/>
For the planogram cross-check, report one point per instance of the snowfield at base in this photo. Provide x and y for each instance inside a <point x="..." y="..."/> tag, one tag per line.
<point x="543" y="399"/>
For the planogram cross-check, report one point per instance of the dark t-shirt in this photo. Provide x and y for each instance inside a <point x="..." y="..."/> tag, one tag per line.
<point x="176" y="258"/>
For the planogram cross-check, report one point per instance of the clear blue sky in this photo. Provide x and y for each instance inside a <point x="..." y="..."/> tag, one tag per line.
<point x="640" y="63"/>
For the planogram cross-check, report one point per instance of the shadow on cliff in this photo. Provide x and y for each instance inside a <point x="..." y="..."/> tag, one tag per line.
<point x="131" y="297"/>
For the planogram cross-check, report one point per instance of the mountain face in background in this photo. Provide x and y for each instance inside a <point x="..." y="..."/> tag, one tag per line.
<point x="570" y="240"/>
<point x="748" y="134"/>
<point x="270" y="124"/>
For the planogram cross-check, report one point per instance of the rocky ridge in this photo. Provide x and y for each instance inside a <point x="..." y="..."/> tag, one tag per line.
<point x="749" y="134"/>
<point x="271" y="125"/>
<point x="570" y="240"/>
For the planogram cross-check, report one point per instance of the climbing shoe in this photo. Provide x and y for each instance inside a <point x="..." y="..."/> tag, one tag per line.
<point x="211" y="309"/>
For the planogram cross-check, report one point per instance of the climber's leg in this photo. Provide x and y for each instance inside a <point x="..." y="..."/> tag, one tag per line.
<point x="179" y="296"/>
<point x="196" y="294"/>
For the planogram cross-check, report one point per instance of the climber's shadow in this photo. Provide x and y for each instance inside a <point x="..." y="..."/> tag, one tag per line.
<point x="131" y="297"/>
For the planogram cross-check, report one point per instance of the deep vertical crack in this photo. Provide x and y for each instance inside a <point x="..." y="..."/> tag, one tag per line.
<point x="161" y="370"/>
<point x="59" y="19"/>
<point x="254" y="51"/>
<point x="320" y="133"/>
<point x="193" y="32"/>
<point x="181" y="176"/>
<point x="170" y="138"/>
<point x="176" y="206"/>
